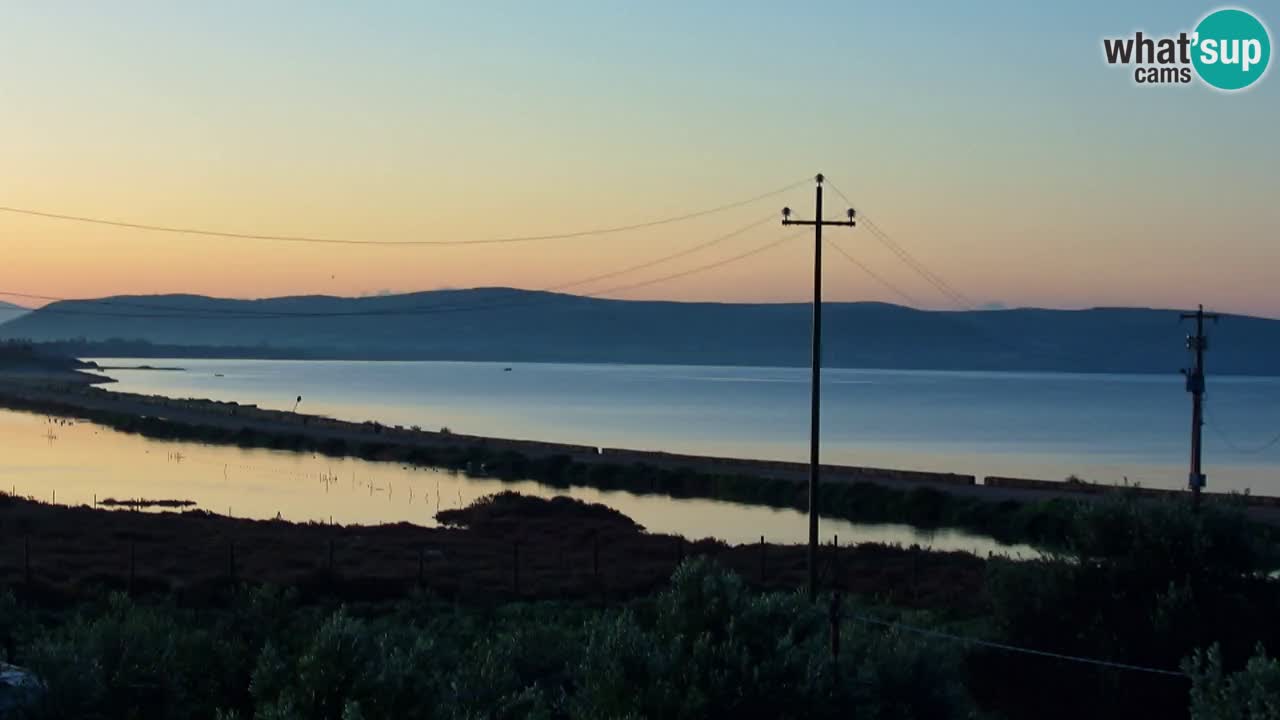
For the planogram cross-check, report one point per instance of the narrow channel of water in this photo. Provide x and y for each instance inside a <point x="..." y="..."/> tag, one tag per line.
<point x="75" y="462"/>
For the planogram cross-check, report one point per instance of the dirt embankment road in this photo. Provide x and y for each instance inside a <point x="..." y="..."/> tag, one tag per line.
<point x="59" y="396"/>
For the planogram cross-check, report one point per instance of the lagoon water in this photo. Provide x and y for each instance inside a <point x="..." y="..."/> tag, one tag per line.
<point x="73" y="462"/>
<point x="1103" y="428"/>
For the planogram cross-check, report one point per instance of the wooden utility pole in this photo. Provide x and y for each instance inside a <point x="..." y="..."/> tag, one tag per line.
<point x="1197" y="344"/>
<point x="815" y="382"/>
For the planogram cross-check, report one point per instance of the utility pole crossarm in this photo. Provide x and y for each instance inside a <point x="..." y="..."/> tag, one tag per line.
<point x="842" y="223"/>
<point x="815" y="383"/>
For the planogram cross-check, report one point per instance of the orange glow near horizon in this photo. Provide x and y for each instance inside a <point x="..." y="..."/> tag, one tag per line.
<point x="66" y="259"/>
<point x="1041" y="182"/>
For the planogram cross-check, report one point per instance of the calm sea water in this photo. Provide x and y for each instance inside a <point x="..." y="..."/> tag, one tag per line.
<point x="75" y="463"/>
<point x="1104" y="428"/>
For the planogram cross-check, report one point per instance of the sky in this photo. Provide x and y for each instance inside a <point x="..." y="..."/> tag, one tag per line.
<point x="989" y="139"/>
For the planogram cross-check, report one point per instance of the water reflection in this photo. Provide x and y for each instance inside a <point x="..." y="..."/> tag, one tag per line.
<point x="77" y="462"/>
<point x="1104" y="428"/>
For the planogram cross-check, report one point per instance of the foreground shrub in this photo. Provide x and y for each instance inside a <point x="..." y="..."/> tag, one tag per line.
<point x="713" y="649"/>
<point x="128" y="661"/>
<point x="704" y="647"/>
<point x="1250" y="694"/>
<point x="1147" y="582"/>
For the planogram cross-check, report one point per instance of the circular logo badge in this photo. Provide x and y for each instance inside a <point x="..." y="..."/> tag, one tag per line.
<point x="1232" y="49"/>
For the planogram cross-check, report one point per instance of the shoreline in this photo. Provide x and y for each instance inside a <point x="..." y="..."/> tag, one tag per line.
<point x="288" y="355"/>
<point x="1011" y="510"/>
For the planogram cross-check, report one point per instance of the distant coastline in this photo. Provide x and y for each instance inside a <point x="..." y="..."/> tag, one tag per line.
<point x="28" y="363"/>
<point x="142" y="352"/>
<point x="509" y="326"/>
<point x="105" y="368"/>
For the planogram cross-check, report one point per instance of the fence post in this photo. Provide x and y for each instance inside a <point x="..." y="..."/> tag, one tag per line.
<point x="762" y="551"/>
<point x="330" y="571"/>
<point x="835" y="561"/>
<point x="595" y="556"/>
<point x="515" y="567"/>
<point x="231" y="561"/>
<point x="915" y="575"/>
<point x="420" y="569"/>
<point x="834" y="617"/>
<point x="132" y="565"/>
<point x="26" y="560"/>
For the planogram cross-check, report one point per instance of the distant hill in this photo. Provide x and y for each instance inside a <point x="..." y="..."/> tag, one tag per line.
<point x="9" y="311"/>
<point x="21" y="361"/>
<point x="515" y="325"/>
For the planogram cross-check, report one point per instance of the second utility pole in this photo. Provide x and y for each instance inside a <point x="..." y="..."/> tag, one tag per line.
<point x="1197" y="344"/>
<point x="815" y="383"/>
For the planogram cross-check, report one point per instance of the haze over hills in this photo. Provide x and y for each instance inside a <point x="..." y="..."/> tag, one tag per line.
<point x="9" y="311"/>
<point x="508" y="325"/>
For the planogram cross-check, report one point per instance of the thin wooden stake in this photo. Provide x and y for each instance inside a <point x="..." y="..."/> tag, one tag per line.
<point x="762" y="553"/>
<point x="595" y="556"/>
<point x="231" y="561"/>
<point x="834" y="617"/>
<point x="835" y="560"/>
<point x="515" y="567"/>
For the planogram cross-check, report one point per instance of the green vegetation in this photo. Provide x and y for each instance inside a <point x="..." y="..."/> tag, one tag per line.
<point x="1149" y="584"/>
<point x="705" y="647"/>
<point x="1252" y="693"/>
<point x="1146" y="583"/>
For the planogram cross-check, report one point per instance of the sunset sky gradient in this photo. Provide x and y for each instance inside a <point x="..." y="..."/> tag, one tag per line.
<point x="990" y="139"/>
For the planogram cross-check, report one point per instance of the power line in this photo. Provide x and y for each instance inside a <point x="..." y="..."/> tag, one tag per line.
<point x="1221" y="433"/>
<point x="665" y="258"/>
<point x="941" y="285"/>
<point x="874" y="275"/>
<point x="711" y="266"/>
<point x="431" y="309"/>
<point x="957" y="298"/>
<point x="178" y="310"/>
<point x="150" y="227"/>
<point x="867" y="619"/>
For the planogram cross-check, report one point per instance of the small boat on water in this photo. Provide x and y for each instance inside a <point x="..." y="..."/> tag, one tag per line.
<point x="506" y="369"/>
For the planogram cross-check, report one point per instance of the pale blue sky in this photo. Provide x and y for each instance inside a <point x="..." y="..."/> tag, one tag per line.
<point x="990" y="138"/>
